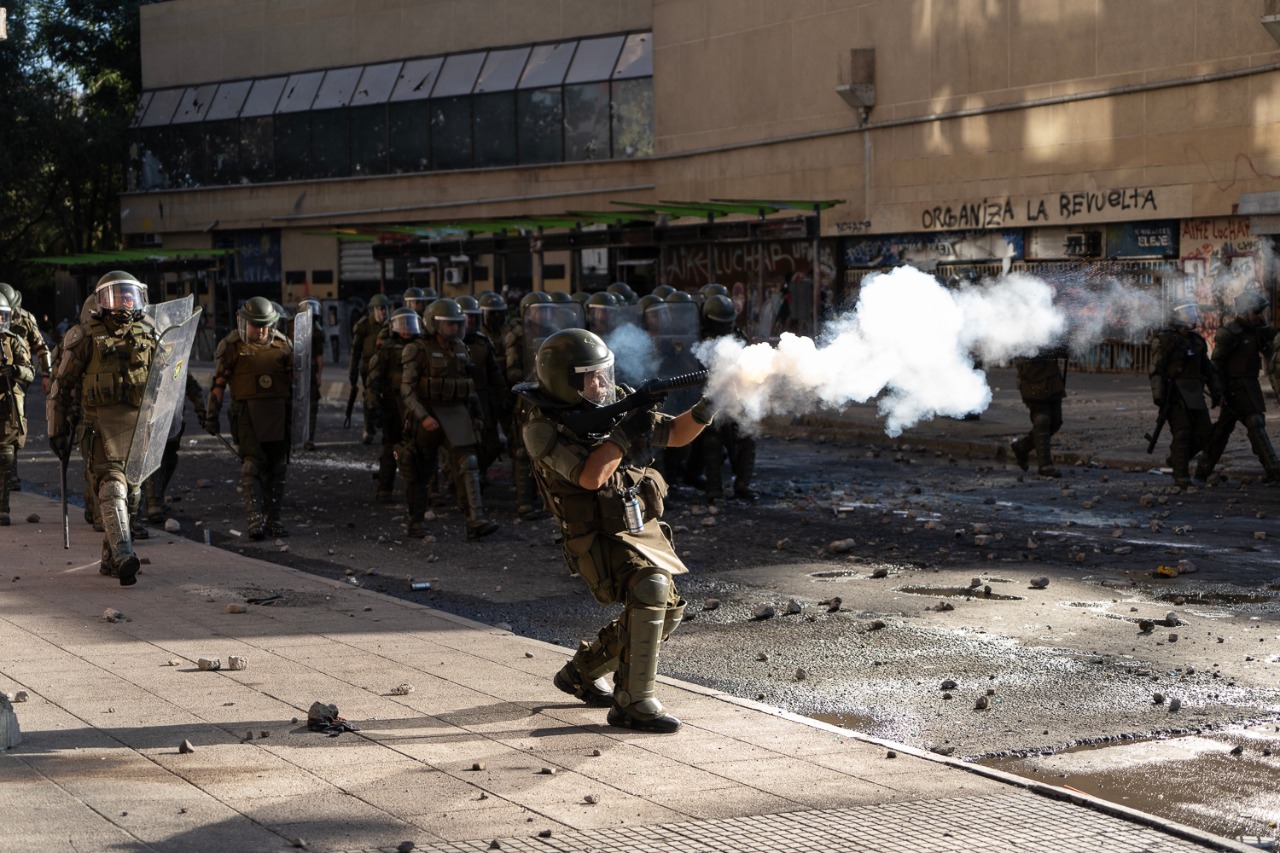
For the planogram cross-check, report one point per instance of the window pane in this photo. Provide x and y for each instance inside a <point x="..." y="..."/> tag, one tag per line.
<point x="293" y="146"/>
<point x="369" y="140"/>
<point x="375" y="84"/>
<point x="164" y="104"/>
<point x="637" y="57"/>
<point x="586" y="122"/>
<point x="263" y="97"/>
<point x="140" y="111"/>
<point x="594" y="59"/>
<point x="451" y="133"/>
<point x="337" y="87"/>
<point x="299" y="92"/>
<point x="541" y="117"/>
<point x="458" y="77"/>
<point x="633" y="118"/>
<point x="146" y="159"/>
<point x="547" y="65"/>
<point x="330" y="144"/>
<point x="222" y="146"/>
<point x="194" y="104"/>
<point x="495" y="129"/>
<point x="409" y="131"/>
<point x="257" y="149"/>
<point x="502" y="70"/>
<point x="228" y="100"/>
<point x="417" y="79"/>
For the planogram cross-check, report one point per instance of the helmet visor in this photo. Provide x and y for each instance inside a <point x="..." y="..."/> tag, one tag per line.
<point x="595" y="382"/>
<point x="5" y="314"/>
<point x="121" y="296"/>
<point x="406" y="324"/>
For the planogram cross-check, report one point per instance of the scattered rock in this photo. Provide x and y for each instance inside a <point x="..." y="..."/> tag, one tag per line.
<point x="174" y="662"/>
<point x="832" y="604"/>
<point x="1157" y="698"/>
<point x="1259" y="534"/>
<point x="1039" y="583"/>
<point x="591" y="799"/>
<point x="479" y="765"/>
<point x="794" y="607"/>
<point x="1174" y="704"/>
<point x="237" y="608"/>
<point x="982" y="704"/>
<point x="948" y="685"/>
<point x="876" y="625"/>
<point x="548" y="771"/>
<point x="762" y="657"/>
<point x="402" y="689"/>
<point x="185" y="747"/>
<point x="881" y="572"/>
<point x="801" y="674"/>
<point x="405" y="847"/>
<point x="842" y="546"/>
<point x="711" y="604"/>
<point x="237" y="662"/>
<point x="1146" y="626"/>
<point x="1173" y="638"/>
<point x="209" y="664"/>
<point x="975" y="583"/>
<point x="762" y="612"/>
<point x="1237" y="750"/>
<point x="891" y="754"/>
<point x="113" y="615"/>
<point x="943" y="750"/>
<point x="1172" y="620"/>
<point x="172" y="525"/>
<point x="34" y="518"/>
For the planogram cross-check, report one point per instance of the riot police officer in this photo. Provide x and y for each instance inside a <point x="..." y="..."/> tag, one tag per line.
<point x="517" y="372"/>
<point x="608" y="504"/>
<point x="1042" y="385"/>
<point x="439" y="396"/>
<point x="23" y="324"/>
<point x="1238" y="350"/>
<point x="382" y="391"/>
<point x="107" y="360"/>
<point x="16" y="373"/>
<point x="256" y="363"/>
<point x="491" y="384"/>
<point x="415" y="299"/>
<point x="364" y="340"/>
<point x="726" y="438"/>
<point x="1180" y="371"/>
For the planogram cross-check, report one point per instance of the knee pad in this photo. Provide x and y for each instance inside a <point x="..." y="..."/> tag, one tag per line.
<point x="652" y="589"/>
<point x="1255" y="421"/>
<point x="469" y="464"/>
<point x="112" y="489"/>
<point x="1042" y="423"/>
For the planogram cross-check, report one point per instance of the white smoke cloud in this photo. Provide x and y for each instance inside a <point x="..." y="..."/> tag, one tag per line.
<point x="635" y="356"/>
<point x="909" y="341"/>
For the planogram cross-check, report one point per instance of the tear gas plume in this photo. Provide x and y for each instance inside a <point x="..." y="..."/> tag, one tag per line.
<point x="909" y="343"/>
<point x="1111" y="310"/>
<point x="635" y="357"/>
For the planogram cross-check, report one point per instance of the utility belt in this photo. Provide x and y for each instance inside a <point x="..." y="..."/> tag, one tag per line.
<point x="603" y="510"/>
<point x="446" y="390"/>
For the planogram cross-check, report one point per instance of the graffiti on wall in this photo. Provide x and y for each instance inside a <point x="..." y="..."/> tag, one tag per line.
<point x="1221" y="258"/>
<point x="1055" y="209"/>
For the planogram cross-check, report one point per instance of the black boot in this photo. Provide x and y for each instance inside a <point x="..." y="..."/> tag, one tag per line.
<point x="597" y="693"/>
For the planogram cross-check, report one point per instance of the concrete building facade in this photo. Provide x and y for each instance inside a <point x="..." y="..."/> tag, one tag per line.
<point x="1119" y="138"/>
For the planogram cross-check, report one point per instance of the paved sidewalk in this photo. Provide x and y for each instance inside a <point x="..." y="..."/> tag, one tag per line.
<point x="483" y="754"/>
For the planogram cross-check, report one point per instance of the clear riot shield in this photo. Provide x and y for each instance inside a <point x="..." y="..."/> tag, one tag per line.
<point x="544" y="319"/>
<point x="604" y="320"/>
<point x="676" y="328"/>
<point x="172" y="313"/>
<point x="303" y="329"/>
<point x="166" y="387"/>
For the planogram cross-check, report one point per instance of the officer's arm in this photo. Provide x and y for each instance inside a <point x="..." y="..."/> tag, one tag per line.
<point x="357" y="344"/>
<point x="409" y="383"/>
<point x="66" y="378"/>
<point x="683" y="429"/>
<point x="588" y="468"/>
<point x="600" y="465"/>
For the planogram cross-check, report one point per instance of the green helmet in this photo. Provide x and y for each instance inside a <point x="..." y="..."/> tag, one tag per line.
<point x="623" y="291"/>
<point x="580" y="296"/>
<point x="568" y="360"/>
<point x="494" y="309"/>
<point x="533" y="297"/>
<point x="379" y="304"/>
<point x="604" y="298"/>
<point x="471" y="309"/>
<point x="648" y="299"/>
<point x="1250" y="301"/>
<point x="429" y="294"/>
<point x="718" y="314"/>
<point x="415" y="299"/>
<point x="662" y="291"/>
<point x="1185" y="316"/>
<point x="12" y="295"/>
<point x="406" y="322"/>
<point x="712" y="289"/>
<point x="445" y="311"/>
<point x="260" y="311"/>
<point x="120" y="294"/>
<point x="6" y="313"/>
<point x="560" y="296"/>
<point x="678" y="296"/>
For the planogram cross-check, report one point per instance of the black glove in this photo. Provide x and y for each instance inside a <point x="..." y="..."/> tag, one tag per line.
<point x="211" y="424"/>
<point x="8" y="371"/>
<point x="632" y="433"/>
<point x="649" y="399"/>
<point x="61" y="444"/>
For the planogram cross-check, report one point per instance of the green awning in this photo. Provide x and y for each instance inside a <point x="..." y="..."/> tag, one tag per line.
<point x="156" y="255"/>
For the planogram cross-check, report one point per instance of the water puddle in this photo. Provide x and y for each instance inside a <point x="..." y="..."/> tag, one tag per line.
<point x="856" y="722"/>
<point x="958" y="592"/>
<point x="1225" y="599"/>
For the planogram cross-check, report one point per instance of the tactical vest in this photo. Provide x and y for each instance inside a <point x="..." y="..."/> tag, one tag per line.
<point x="1186" y="355"/>
<point x="367" y="333"/>
<point x="444" y="374"/>
<point x="481" y="350"/>
<point x="261" y="372"/>
<point x="1244" y="358"/>
<point x="118" y="363"/>
<point x="391" y="365"/>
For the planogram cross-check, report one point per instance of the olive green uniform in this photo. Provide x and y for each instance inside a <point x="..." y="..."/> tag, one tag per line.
<point x="23" y="324"/>
<point x="436" y="381"/>
<point x="493" y="394"/>
<point x="1180" y="371"/>
<point x="260" y="379"/>
<point x="1042" y="388"/>
<point x="382" y="393"/>
<point x="16" y="373"/>
<point x="1238" y="350"/>
<point x="364" y="343"/>
<point x="634" y="569"/>
<point x="107" y="363"/>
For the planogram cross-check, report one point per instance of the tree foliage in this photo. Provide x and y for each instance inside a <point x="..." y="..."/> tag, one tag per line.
<point x="72" y="74"/>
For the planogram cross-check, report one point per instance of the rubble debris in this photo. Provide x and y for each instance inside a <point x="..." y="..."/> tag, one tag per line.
<point x="591" y="799"/>
<point x="209" y="664"/>
<point x="982" y="703"/>
<point x="402" y="689"/>
<point x="876" y="625"/>
<point x="172" y="525"/>
<point x="842" y="546"/>
<point x="762" y="612"/>
<point x="237" y="608"/>
<point x="881" y="572"/>
<point x="794" y="607"/>
<point x="763" y="657"/>
<point x="948" y="684"/>
<point x="113" y="615"/>
<point x="1172" y="620"/>
<point x="711" y="604"/>
<point x="1039" y="583"/>
<point x="34" y="518"/>
<point x="186" y="748"/>
<point x="405" y="847"/>
<point x="477" y="765"/>
<point x="1174" y="704"/>
<point x="801" y="673"/>
<point x="322" y="717"/>
<point x="237" y="662"/>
